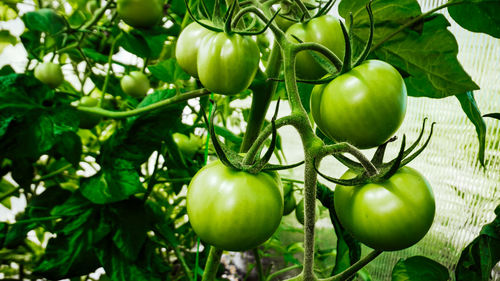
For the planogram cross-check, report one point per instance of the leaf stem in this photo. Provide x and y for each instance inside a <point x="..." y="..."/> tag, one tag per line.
<point x="212" y="264"/>
<point x="344" y="275"/>
<point x="145" y="109"/>
<point x="260" y="271"/>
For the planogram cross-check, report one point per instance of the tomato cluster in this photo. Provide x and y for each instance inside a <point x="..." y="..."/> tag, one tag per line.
<point x="225" y="63"/>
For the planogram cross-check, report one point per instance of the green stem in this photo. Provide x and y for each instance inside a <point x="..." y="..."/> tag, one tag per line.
<point x="110" y="64"/>
<point x="261" y="98"/>
<point x="148" y="108"/>
<point x="415" y="20"/>
<point x="348" y="148"/>
<point x="260" y="271"/>
<point x="344" y="275"/>
<point x="303" y="9"/>
<point x="212" y="264"/>
<point x="281" y="271"/>
<point x="310" y="179"/>
<point x="54" y="173"/>
<point x="323" y="50"/>
<point x="97" y="16"/>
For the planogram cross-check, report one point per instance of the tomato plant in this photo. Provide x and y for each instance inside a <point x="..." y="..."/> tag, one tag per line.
<point x="324" y="30"/>
<point x="234" y="210"/>
<point x="227" y="63"/>
<point x="364" y="106"/>
<point x="188" y="145"/>
<point x="390" y="215"/>
<point x="188" y="43"/>
<point x="140" y="13"/>
<point x="135" y="84"/>
<point x="49" y="73"/>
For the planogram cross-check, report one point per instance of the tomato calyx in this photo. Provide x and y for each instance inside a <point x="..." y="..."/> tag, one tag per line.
<point x="247" y="163"/>
<point x="383" y="171"/>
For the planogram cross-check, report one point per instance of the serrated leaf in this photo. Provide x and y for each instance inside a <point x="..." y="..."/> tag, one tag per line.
<point x="419" y="268"/>
<point x="117" y="181"/>
<point x="427" y="51"/>
<point x="478" y="16"/>
<point x="470" y="108"/>
<point x="168" y="71"/>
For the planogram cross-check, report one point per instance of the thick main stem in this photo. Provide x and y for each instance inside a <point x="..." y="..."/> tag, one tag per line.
<point x="261" y="98"/>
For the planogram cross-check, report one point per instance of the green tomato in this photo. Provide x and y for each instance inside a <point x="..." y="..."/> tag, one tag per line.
<point x="324" y="30"/>
<point x="187" y="145"/>
<point x="49" y="73"/>
<point x="188" y="43"/>
<point x="364" y="106"/>
<point x="234" y="210"/>
<point x="290" y="204"/>
<point x="88" y="120"/>
<point x="135" y="84"/>
<point x="299" y="211"/>
<point x="391" y="215"/>
<point x="227" y="63"/>
<point x="140" y="13"/>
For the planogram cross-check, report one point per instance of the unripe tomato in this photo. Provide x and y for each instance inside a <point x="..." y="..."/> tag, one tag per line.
<point x="234" y="210"/>
<point x="187" y="145"/>
<point x="135" y="84"/>
<point x="140" y="13"/>
<point x="299" y="211"/>
<point x="364" y="106"/>
<point x="188" y="43"/>
<point x="227" y="63"/>
<point x="391" y="215"/>
<point x="88" y="120"/>
<point x="290" y="204"/>
<point x="49" y="73"/>
<point x="324" y="30"/>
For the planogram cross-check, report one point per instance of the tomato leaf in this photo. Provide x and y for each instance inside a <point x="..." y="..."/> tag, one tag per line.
<point x="419" y="268"/>
<point x="145" y="43"/>
<point x="168" y="71"/>
<point x="478" y="16"/>
<point x="480" y="256"/>
<point x="6" y="39"/>
<point x="48" y="21"/>
<point x="471" y="109"/>
<point x="426" y="51"/>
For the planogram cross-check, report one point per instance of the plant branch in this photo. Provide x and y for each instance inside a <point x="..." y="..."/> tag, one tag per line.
<point x="321" y="49"/>
<point x="145" y="109"/>
<point x="341" y="147"/>
<point x="344" y="275"/>
<point x="212" y="264"/>
<point x="260" y="271"/>
<point x="281" y="271"/>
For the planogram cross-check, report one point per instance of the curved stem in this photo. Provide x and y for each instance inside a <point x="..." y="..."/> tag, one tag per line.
<point x="261" y="98"/>
<point x="140" y="110"/>
<point x="97" y="16"/>
<point x="110" y="66"/>
<point x="281" y="271"/>
<point x="303" y="9"/>
<point x="212" y="264"/>
<point x="371" y="170"/>
<point x="414" y="20"/>
<point x="350" y="271"/>
<point x="321" y="49"/>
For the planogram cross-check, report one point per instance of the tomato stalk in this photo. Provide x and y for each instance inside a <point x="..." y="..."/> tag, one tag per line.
<point x="212" y="264"/>
<point x="110" y="64"/>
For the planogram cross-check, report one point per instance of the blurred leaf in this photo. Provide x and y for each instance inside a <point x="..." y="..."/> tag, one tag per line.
<point x="48" y="21"/>
<point x="70" y="147"/>
<point x="168" y="71"/>
<point x="482" y="254"/>
<point x="6" y="187"/>
<point x="470" y="108"/>
<point x="6" y="39"/>
<point x="478" y="16"/>
<point x="145" y="43"/>
<point x="427" y="51"/>
<point x="8" y="11"/>
<point x="419" y="268"/>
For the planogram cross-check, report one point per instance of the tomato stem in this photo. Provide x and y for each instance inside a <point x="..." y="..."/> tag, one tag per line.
<point x="260" y="271"/>
<point x="212" y="264"/>
<point x="346" y="274"/>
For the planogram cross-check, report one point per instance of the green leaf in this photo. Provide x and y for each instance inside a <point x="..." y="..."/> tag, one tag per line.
<point x="69" y="146"/>
<point x="477" y="15"/>
<point x="132" y="224"/>
<point x="48" y="21"/>
<point x="426" y="51"/>
<point x="6" y="187"/>
<point x="6" y="39"/>
<point x="470" y="108"/>
<point x="8" y="11"/>
<point x="419" y="268"/>
<point x="482" y="254"/>
<point x="493" y="115"/>
<point x="168" y="71"/>
<point x="116" y="181"/>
